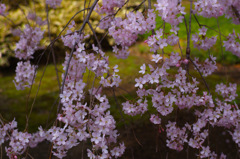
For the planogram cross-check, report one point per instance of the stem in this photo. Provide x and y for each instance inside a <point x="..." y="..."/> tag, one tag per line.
<point x="220" y="36"/>
<point x="95" y="35"/>
<point x="201" y="75"/>
<point x="189" y="37"/>
<point x="52" y="50"/>
<point x="41" y="55"/>
<point x="27" y="120"/>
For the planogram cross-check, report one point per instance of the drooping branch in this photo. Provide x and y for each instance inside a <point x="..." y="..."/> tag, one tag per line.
<point x="95" y="35"/>
<point x="49" y="46"/>
<point x="52" y="50"/>
<point x="71" y="54"/>
<point x="201" y="75"/>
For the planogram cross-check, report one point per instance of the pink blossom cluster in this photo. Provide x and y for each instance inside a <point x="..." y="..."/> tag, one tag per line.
<point x="158" y="41"/>
<point x="5" y="129"/>
<point x="236" y="135"/>
<point x="133" y="109"/>
<point x="232" y="44"/>
<point x="62" y="138"/>
<point x="228" y="93"/>
<point x="231" y="9"/>
<point x="125" y="32"/>
<point x="109" y="6"/>
<point x="118" y="151"/>
<point x="25" y="74"/>
<point x="208" y="67"/>
<point x="54" y="3"/>
<point x="25" y="48"/>
<point x="28" y="43"/>
<point x="163" y="103"/>
<point x="73" y="92"/>
<point x="183" y="92"/>
<point x="85" y="114"/>
<point x="216" y="8"/>
<point x="18" y="141"/>
<point x="198" y="136"/>
<point x="82" y="123"/>
<point x="107" y="10"/>
<point x="106" y="21"/>
<point x="194" y="135"/>
<point x="72" y="37"/>
<point x="2" y="9"/>
<point x="121" y="53"/>
<point x="37" y="19"/>
<point x="176" y="137"/>
<point x="200" y="40"/>
<point x="209" y="8"/>
<point x="223" y="115"/>
<point x="171" y="11"/>
<point x="92" y="121"/>
<point x="155" y="119"/>
<point x="112" y="80"/>
<point x="81" y="60"/>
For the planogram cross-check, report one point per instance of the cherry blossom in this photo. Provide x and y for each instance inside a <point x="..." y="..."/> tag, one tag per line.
<point x="163" y="86"/>
<point x="53" y="3"/>
<point x="25" y="75"/>
<point x="2" y="9"/>
<point x="28" y="43"/>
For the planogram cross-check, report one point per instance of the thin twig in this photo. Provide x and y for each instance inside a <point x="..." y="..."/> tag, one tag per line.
<point x="114" y="14"/>
<point x="27" y="120"/>
<point x="1" y="152"/>
<point x="136" y="138"/>
<point x="201" y="75"/>
<point x="180" y="47"/>
<point x="185" y="21"/>
<point x="52" y="50"/>
<point x="150" y="7"/>
<point x="163" y="38"/>
<point x="136" y="8"/>
<point x="41" y="55"/>
<point x="201" y="25"/>
<point x="220" y="36"/>
<point x="50" y="112"/>
<point x="153" y="32"/>
<point x="95" y="35"/>
<point x="30" y="156"/>
<point x="91" y="95"/>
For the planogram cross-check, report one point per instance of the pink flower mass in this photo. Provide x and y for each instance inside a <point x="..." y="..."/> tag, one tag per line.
<point x="163" y="86"/>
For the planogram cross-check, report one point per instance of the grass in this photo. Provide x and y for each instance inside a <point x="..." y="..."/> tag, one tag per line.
<point x="14" y="103"/>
